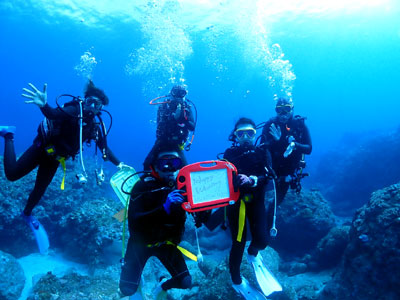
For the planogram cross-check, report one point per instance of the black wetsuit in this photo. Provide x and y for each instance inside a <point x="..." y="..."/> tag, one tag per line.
<point x="171" y="131"/>
<point x="248" y="161"/>
<point x="286" y="166"/>
<point x="153" y="232"/>
<point x="62" y="141"/>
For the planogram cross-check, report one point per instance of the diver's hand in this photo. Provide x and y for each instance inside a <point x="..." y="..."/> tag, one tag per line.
<point x="123" y="166"/>
<point x="290" y="139"/>
<point x="174" y="200"/>
<point x="37" y="97"/>
<point x="275" y="131"/>
<point x="178" y="112"/>
<point x="245" y="180"/>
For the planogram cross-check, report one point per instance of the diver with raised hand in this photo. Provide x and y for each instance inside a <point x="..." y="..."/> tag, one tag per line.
<point x="254" y="171"/>
<point x="156" y="224"/>
<point x="175" y="121"/>
<point x="288" y="139"/>
<point x="60" y="136"/>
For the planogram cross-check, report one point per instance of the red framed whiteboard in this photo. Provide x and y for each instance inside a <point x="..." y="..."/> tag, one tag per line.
<point x="208" y="185"/>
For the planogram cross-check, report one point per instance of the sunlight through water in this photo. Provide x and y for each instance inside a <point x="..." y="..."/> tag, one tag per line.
<point x="168" y="28"/>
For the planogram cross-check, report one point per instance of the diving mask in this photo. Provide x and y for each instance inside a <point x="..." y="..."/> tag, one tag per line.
<point x="178" y="91"/>
<point x="283" y="109"/>
<point x="245" y="132"/>
<point x="93" y="103"/>
<point x="169" y="163"/>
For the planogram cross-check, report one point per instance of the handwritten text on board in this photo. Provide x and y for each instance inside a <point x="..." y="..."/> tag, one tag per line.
<point x="209" y="185"/>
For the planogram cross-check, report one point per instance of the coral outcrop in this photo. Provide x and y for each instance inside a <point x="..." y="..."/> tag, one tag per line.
<point x="75" y="286"/>
<point x="12" y="278"/>
<point x="302" y="221"/>
<point x="78" y="220"/>
<point x="371" y="260"/>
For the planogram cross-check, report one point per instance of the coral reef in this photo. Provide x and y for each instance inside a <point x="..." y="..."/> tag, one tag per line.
<point x="78" y="220"/>
<point x="370" y="268"/>
<point x="74" y="286"/>
<point x="12" y="278"/>
<point x="330" y="249"/>
<point x="346" y="260"/>
<point x="302" y="220"/>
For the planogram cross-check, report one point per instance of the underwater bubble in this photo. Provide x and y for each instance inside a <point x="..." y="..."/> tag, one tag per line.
<point x="167" y="47"/>
<point x="86" y="65"/>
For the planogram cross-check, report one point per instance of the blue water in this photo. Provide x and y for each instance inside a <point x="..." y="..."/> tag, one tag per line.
<point x="345" y="59"/>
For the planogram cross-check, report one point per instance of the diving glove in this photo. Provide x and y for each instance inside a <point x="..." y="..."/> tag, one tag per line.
<point x="174" y="200"/>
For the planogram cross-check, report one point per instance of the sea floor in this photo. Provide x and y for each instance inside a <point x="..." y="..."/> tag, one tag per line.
<point x="35" y="265"/>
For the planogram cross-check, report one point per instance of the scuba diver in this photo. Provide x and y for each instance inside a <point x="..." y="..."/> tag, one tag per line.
<point x="175" y="121"/>
<point x="156" y="223"/>
<point x="288" y="139"/>
<point x="254" y="172"/>
<point x="60" y="136"/>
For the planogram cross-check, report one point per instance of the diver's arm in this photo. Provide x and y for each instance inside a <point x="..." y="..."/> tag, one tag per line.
<point x="161" y="120"/>
<point x="305" y="146"/>
<point x="228" y="154"/>
<point x="136" y="207"/>
<point x="110" y="156"/>
<point x="155" y="213"/>
<point x="58" y="114"/>
<point x="189" y="120"/>
<point x="261" y="178"/>
<point x="184" y="115"/>
<point x="269" y="172"/>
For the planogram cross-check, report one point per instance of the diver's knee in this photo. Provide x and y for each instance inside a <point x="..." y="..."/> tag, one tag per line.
<point x="127" y="288"/>
<point x="186" y="282"/>
<point x="11" y="176"/>
<point x="263" y="243"/>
